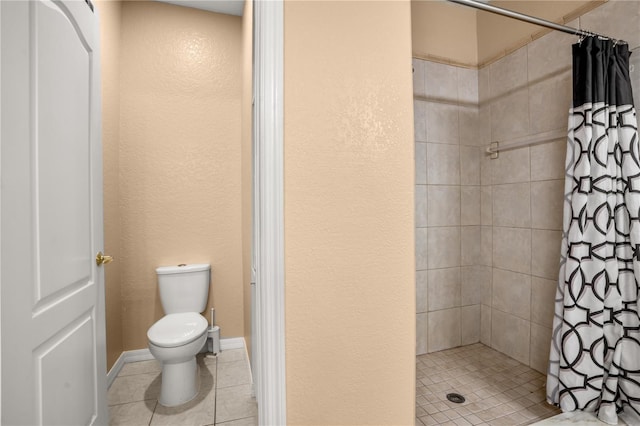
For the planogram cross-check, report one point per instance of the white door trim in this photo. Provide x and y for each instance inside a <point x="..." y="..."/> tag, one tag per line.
<point x="0" y="218"/>
<point x="269" y="221"/>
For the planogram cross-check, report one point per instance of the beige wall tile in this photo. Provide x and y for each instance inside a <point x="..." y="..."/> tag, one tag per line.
<point x="470" y="324"/>
<point x="510" y="335"/>
<point x="442" y="123"/>
<point x="544" y="57"/>
<point x="467" y="85"/>
<point x="470" y="245"/>
<point x="545" y="256"/>
<point x="418" y="77"/>
<point x="484" y="125"/>
<point x="444" y="329"/>
<point x="549" y="103"/>
<point x="623" y="27"/>
<point x="486" y="169"/>
<point x="485" y="325"/>
<point x="510" y="116"/>
<point x="486" y="205"/>
<point x="543" y="294"/>
<point x="634" y="62"/>
<point x="511" y="293"/>
<point x="547" y="160"/>
<point x="508" y="73"/>
<point x="472" y="285"/>
<point x="443" y="205"/>
<point x="421" y="163"/>
<point x="441" y="81"/>
<point x="444" y="288"/>
<point x="421" y="333"/>
<point x="420" y="121"/>
<point x="483" y="85"/>
<point x="512" y="205"/>
<point x="485" y="275"/>
<point x="443" y="164"/>
<point x="469" y="122"/>
<point x="486" y="246"/>
<point x="547" y="200"/>
<point x="443" y="247"/>
<point x="540" y="345"/>
<point x="511" y="167"/>
<point x="421" y="248"/>
<point x="421" y="206"/>
<point x="512" y="249"/>
<point x="421" y="292"/>
<point x="470" y="205"/>
<point x="470" y="165"/>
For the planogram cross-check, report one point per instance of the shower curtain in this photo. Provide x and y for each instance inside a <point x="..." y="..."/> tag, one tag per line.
<point x="595" y="350"/>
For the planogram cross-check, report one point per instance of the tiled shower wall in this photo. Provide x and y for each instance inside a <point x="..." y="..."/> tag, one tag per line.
<point x="447" y="206"/>
<point x="488" y="255"/>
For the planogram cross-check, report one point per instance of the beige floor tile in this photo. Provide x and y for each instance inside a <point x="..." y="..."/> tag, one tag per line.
<point x="140" y="367"/>
<point x="208" y="368"/>
<point x="133" y="395"/>
<point x="473" y="419"/>
<point x="199" y="411"/>
<point x="499" y="390"/>
<point x="451" y="414"/>
<point x="248" y="421"/>
<point x="461" y="422"/>
<point x="138" y="387"/>
<point x="233" y="373"/>
<point x="232" y="355"/>
<point x="132" y="414"/>
<point x="440" y="417"/>
<point x="234" y="403"/>
<point x="420" y="411"/>
<point x="428" y="420"/>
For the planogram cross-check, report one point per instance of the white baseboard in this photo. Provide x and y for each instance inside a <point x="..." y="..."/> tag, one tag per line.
<point x="232" y="343"/>
<point x="145" y="355"/>
<point x="115" y="369"/>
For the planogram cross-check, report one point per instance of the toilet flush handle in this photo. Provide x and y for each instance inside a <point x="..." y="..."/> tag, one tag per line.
<point x="103" y="259"/>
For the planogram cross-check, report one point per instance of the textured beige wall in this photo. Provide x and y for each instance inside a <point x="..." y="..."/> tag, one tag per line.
<point x="180" y="188"/>
<point x="110" y="16"/>
<point x="348" y="213"/>
<point x="444" y="31"/>
<point x="247" y="164"/>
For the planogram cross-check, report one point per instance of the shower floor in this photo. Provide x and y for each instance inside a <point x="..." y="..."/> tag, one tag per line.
<point x="498" y="389"/>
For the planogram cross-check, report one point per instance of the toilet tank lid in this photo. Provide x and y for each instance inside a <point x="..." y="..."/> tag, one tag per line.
<point x="182" y="268"/>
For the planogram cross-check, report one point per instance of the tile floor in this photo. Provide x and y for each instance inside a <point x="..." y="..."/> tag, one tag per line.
<point x="224" y="398"/>
<point x="498" y="389"/>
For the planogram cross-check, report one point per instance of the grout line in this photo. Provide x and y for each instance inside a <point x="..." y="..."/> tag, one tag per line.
<point x="215" y="397"/>
<point x="155" y="407"/>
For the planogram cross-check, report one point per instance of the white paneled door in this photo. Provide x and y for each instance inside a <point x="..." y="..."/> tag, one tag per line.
<point x="52" y="291"/>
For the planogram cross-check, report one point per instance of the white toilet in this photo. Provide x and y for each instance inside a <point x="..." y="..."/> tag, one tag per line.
<point x="176" y="338"/>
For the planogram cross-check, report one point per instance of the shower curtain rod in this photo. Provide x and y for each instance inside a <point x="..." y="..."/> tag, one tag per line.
<point x="530" y="19"/>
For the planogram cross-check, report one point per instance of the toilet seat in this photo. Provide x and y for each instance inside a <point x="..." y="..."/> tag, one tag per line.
<point x="175" y="330"/>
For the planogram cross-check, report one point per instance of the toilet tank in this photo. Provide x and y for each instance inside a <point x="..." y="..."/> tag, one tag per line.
<point x="183" y="288"/>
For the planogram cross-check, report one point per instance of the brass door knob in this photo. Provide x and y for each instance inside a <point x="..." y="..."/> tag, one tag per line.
<point x="103" y="259"/>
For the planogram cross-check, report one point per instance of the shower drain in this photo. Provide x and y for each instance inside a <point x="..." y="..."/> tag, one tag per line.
<point x="456" y="398"/>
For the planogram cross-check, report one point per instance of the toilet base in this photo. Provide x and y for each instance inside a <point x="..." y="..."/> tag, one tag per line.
<point x="180" y="382"/>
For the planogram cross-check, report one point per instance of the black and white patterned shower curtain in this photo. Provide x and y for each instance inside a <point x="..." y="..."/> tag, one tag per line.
<point x="595" y="350"/>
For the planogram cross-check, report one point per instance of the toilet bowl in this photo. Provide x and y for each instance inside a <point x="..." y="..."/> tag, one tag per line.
<point x="176" y="338"/>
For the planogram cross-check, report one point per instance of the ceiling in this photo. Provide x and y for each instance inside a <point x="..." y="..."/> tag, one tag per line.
<point x="227" y="7"/>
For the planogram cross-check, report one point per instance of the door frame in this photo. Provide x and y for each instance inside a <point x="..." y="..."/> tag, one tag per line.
<point x="268" y="161"/>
